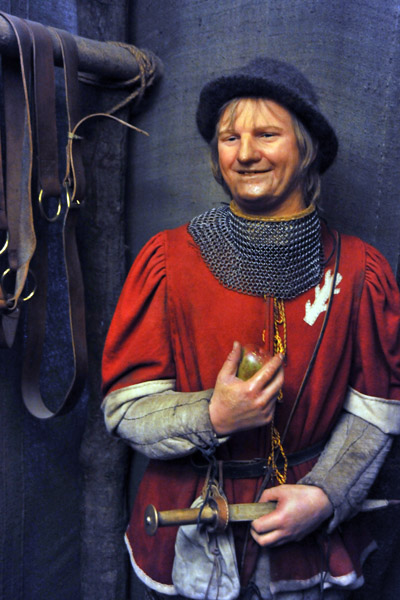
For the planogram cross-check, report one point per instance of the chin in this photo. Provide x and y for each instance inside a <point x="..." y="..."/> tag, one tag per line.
<point x="256" y="205"/>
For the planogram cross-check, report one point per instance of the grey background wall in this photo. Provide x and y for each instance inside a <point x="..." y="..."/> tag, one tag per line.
<point x="64" y="485"/>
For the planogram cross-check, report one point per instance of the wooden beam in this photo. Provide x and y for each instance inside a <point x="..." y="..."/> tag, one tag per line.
<point x="105" y="59"/>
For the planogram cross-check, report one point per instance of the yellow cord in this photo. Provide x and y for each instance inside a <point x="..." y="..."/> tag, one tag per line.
<point x="279" y="347"/>
<point x="275" y="445"/>
<point x="279" y="319"/>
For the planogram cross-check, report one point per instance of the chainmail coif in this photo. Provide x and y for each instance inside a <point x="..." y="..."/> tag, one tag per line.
<point x="279" y="258"/>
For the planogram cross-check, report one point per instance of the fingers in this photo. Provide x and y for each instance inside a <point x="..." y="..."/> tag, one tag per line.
<point x="274" y="494"/>
<point x="270" y="372"/>
<point x="268" y="530"/>
<point x="230" y="366"/>
<point x="272" y="538"/>
<point x="264" y="386"/>
<point x="236" y="404"/>
<point x="272" y="520"/>
<point x="272" y="529"/>
<point x="300" y="510"/>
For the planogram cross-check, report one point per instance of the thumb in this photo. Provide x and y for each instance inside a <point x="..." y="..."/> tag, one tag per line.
<point x="273" y="494"/>
<point x="230" y="366"/>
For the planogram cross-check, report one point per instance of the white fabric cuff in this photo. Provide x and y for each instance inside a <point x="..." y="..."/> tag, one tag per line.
<point x="381" y="412"/>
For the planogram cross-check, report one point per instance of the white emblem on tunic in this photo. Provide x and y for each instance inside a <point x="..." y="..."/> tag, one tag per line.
<point x="322" y="295"/>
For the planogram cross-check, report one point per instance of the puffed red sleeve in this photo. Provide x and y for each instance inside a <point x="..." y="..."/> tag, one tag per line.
<point x="138" y="346"/>
<point x="362" y="437"/>
<point x="375" y="378"/>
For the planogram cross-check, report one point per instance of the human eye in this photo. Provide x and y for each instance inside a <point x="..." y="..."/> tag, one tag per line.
<point x="229" y="134"/>
<point x="228" y="137"/>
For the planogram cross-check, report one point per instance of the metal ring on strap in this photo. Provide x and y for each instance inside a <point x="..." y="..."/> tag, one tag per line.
<point x="70" y="201"/>
<point x="44" y="213"/>
<point x="5" y="245"/>
<point x="23" y="298"/>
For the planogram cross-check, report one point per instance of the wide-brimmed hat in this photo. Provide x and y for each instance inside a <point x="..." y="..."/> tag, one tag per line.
<point x="276" y="80"/>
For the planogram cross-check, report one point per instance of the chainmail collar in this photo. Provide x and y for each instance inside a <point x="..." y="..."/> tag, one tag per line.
<point x="261" y="257"/>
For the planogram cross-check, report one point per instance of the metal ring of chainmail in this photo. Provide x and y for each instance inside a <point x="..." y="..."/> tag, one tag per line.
<point x="279" y="258"/>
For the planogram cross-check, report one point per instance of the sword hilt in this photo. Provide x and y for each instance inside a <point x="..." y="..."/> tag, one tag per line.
<point x="153" y="519"/>
<point x="210" y="515"/>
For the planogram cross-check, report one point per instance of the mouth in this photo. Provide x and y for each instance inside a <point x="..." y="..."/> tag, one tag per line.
<point x="250" y="173"/>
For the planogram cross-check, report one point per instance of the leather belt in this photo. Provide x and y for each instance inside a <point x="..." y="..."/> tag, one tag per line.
<point x="257" y="467"/>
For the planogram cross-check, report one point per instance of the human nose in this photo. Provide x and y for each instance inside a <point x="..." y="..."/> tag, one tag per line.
<point x="248" y="150"/>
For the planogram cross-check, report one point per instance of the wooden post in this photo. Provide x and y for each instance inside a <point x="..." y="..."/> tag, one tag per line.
<point x="104" y="59"/>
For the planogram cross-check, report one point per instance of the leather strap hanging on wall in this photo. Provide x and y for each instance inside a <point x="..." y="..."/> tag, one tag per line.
<point x="49" y="186"/>
<point x="18" y="221"/>
<point x="19" y="152"/>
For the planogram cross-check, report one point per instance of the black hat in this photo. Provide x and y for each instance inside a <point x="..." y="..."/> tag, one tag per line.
<point x="276" y="80"/>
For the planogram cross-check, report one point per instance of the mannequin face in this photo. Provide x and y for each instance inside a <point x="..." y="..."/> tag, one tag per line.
<point x="259" y="158"/>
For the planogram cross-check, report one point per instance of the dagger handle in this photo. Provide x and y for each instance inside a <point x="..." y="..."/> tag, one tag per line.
<point x="153" y="519"/>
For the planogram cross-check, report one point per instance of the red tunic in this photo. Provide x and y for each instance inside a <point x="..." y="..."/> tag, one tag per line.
<point x="175" y="320"/>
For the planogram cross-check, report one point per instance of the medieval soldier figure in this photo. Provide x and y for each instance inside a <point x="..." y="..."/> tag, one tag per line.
<point x="310" y="429"/>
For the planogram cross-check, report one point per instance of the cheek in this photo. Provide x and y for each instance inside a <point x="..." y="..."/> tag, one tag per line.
<point x="221" y="162"/>
<point x="226" y="157"/>
<point x="288" y="159"/>
<point x="224" y="168"/>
